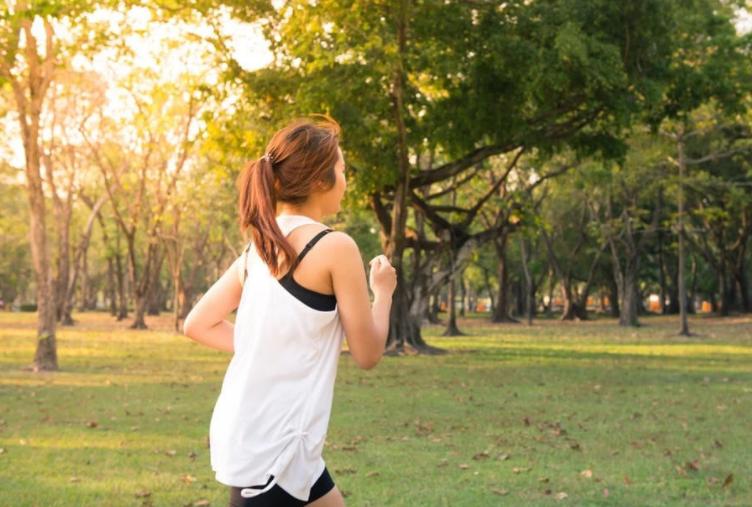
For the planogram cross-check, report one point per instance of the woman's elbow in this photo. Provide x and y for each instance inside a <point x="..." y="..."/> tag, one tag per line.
<point x="189" y="326"/>
<point x="368" y="362"/>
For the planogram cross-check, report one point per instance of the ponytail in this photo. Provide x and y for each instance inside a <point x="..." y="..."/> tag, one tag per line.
<point x="258" y="211"/>
<point x="298" y="157"/>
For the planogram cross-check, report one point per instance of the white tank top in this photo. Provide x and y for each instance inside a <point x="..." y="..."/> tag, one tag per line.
<point x="272" y="413"/>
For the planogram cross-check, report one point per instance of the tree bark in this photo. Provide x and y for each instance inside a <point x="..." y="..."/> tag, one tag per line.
<point x="501" y="310"/>
<point x="452" y="329"/>
<point x="529" y="289"/>
<point x="463" y="293"/>
<point x="29" y="93"/>
<point x="683" y="321"/>
<point x="628" y="296"/>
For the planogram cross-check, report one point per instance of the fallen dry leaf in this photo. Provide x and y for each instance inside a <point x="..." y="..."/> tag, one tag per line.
<point x="586" y="473"/>
<point x="518" y="470"/>
<point x="464" y="466"/>
<point x="560" y="495"/>
<point x="372" y="474"/>
<point x="143" y="494"/>
<point x="728" y="481"/>
<point x="481" y="455"/>
<point x="201" y="503"/>
<point x="91" y="424"/>
<point x="500" y="492"/>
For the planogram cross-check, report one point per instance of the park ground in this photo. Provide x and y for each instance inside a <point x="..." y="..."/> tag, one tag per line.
<point x="554" y="414"/>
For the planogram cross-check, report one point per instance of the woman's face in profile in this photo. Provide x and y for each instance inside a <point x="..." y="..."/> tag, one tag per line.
<point x="335" y="194"/>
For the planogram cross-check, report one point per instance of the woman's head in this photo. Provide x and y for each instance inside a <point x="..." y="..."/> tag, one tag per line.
<point x="302" y="167"/>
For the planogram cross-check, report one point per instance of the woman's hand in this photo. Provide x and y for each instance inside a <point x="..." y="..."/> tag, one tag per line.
<point x="383" y="277"/>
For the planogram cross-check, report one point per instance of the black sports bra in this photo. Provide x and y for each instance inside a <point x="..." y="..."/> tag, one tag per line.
<point x="316" y="300"/>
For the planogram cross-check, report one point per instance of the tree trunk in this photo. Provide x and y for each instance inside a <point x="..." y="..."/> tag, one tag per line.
<point x="662" y="283"/>
<point x="742" y="287"/>
<point x="673" y="292"/>
<point x="573" y="308"/>
<point x="628" y="300"/>
<point x="45" y="356"/>
<point x="29" y="93"/>
<point x="112" y="286"/>
<point x="683" y="321"/>
<point x="724" y="294"/>
<point x="489" y="289"/>
<point x="692" y="297"/>
<point x="84" y="282"/>
<point x="463" y="293"/>
<point x="529" y="290"/>
<point x="452" y="329"/>
<point x="63" y="262"/>
<point x="501" y="310"/>
<point x="402" y="326"/>
<point x="433" y="313"/>
<point x="122" y="281"/>
<point x="79" y="264"/>
<point x="155" y="297"/>
<point x="613" y="297"/>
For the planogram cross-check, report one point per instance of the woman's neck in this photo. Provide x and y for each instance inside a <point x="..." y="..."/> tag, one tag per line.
<point x="310" y="212"/>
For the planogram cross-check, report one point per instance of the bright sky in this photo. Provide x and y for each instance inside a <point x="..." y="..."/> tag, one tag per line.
<point x="165" y="47"/>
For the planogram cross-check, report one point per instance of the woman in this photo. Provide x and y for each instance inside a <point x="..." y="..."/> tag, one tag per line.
<point x="268" y="427"/>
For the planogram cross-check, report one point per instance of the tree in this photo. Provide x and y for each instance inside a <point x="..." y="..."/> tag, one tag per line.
<point x="571" y="241"/>
<point x="28" y="65"/>
<point x="623" y="202"/>
<point x="713" y="68"/>
<point x="467" y="80"/>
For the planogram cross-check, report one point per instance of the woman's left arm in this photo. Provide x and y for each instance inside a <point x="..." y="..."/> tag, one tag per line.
<point x="206" y="322"/>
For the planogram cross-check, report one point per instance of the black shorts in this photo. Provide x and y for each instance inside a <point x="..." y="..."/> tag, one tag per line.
<point x="278" y="497"/>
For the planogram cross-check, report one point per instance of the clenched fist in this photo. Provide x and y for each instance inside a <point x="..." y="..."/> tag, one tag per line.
<point x="383" y="276"/>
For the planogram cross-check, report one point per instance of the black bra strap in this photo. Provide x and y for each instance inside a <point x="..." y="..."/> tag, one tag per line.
<point x="305" y="250"/>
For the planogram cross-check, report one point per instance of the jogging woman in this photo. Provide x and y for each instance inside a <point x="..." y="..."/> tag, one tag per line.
<point x="300" y="289"/>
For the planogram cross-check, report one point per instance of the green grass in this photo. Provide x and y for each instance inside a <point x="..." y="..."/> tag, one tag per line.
<point x="513" y="415"/>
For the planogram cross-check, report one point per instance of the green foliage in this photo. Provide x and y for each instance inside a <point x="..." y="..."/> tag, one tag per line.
<point x="533" y="73"/>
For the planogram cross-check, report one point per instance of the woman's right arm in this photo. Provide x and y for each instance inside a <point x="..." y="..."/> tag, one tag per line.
<point x="366" y="325"/>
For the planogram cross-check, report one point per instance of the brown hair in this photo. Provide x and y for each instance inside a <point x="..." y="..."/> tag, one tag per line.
<point x="298" y="156"/>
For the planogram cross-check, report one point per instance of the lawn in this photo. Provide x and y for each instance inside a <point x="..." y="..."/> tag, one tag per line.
<point x="553" y="414"/>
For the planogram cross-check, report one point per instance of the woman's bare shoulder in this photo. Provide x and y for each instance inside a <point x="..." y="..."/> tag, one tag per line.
<point x="339" y="243"/>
